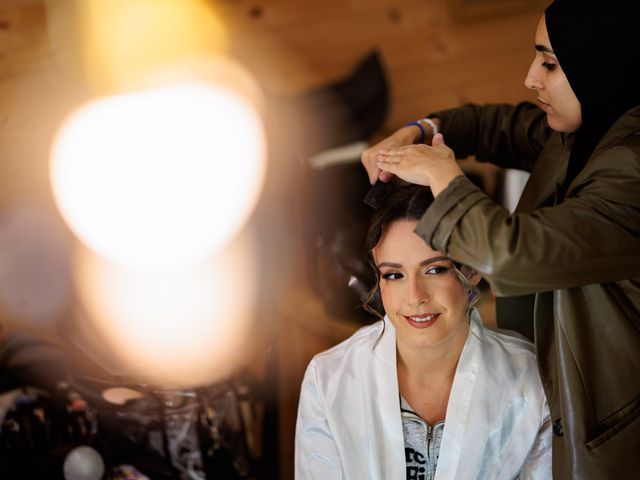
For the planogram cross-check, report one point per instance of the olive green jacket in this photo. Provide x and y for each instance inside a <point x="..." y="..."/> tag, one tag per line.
<point x="580" y="254"/>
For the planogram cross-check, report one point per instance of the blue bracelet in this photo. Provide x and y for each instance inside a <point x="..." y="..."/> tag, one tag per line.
<point x="423" y="133"/>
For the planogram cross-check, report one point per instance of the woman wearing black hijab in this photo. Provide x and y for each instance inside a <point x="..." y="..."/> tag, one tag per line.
<point x="574" y="239"/>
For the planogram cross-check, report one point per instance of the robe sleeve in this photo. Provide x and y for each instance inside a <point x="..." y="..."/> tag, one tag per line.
<point x="316" y="452"/>
<point x="538" y="463"/>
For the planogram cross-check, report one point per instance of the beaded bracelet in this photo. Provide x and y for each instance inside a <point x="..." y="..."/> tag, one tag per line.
<point x="423" y="132"/>
<point x="432" y="124"/>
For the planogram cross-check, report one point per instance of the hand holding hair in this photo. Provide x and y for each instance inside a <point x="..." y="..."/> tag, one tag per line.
<point x="434" y="166"/>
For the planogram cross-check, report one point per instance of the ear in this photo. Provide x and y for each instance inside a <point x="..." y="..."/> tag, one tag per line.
<point x="471" y="274"/>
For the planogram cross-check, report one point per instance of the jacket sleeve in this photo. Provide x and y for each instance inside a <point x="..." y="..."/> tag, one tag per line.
<point x="591" y="237"/>
<point x="506" y="135"/>
<point x="538" y="463"/>
<point x="316" y="453"/>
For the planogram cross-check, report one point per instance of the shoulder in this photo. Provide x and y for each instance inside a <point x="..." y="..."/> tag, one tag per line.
<point x="622" y="141"/>
<point x="362" y="341"/>
<point x="357" y="348"/>
<point x="626" y="151"/>
<point x="500" y="342"/>
<point x="510" y="359"/>
<point x="507" y="343"/>
<point x="614" y="162"/>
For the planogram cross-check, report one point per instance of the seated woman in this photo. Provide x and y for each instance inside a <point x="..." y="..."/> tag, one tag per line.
<point x="427" y="392"/>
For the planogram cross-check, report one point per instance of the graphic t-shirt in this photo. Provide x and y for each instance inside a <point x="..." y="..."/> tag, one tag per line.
<point x="421" y="443"/>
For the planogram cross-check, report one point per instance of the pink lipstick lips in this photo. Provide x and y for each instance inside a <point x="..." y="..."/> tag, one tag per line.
<point x="424" y="320"/>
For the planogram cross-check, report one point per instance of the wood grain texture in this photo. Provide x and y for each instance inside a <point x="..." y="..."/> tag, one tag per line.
<point x="435" y="56"/>
<point x="23" y="37"/>
<point x="433" y="60"/>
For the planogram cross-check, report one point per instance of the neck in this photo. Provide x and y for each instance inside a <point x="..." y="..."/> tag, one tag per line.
<point x="423" y="366"/>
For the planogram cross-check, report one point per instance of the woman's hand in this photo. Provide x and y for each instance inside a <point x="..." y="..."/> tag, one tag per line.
<point x="402" y="137"/>
<point x="433" y="166"/>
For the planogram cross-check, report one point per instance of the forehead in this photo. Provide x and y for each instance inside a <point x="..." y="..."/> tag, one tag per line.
<point x="400" y="244"/>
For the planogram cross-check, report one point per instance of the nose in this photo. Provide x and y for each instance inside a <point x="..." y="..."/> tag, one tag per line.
<point x="532" y="80"/>
<point x="417" y="294"/>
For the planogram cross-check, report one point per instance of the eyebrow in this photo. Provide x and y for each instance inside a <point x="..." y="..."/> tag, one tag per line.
<point x="543" y="49"/>
<point x="422" y="263"/>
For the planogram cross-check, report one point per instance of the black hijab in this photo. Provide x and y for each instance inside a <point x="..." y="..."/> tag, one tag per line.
<point x="597" y="44"/>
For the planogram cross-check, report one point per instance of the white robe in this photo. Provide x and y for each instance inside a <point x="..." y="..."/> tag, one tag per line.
<point x="497" y="424"/>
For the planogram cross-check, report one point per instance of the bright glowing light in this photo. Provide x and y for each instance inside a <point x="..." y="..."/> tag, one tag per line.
<point x="180" y="326"/>
<point x="160" y="177"/>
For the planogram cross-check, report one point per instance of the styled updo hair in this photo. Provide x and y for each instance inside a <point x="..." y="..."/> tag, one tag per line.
<point x="409" y="203"/>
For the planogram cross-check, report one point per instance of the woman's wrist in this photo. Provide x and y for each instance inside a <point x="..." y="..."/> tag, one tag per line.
<point x="424" y="130"/>
<point x="442" y="179"/>
<point x="411" y="133"/>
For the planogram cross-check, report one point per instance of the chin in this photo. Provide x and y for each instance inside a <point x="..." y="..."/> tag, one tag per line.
<point x="562" y="126"/>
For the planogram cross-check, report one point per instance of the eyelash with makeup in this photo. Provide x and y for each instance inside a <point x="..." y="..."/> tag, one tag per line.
<point x="434" y="270"/>
<point x="391" y="276"/>
<point x="549" y="66"/>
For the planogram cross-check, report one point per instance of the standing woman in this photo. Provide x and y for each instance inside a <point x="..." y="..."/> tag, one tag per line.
<point x="574" y="239"/>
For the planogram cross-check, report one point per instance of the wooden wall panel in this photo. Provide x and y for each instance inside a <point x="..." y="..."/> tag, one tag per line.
<point x="34" y="97"/>
<point x="23" y="37"/>
<point x="433" y="60"/>
<point x="434" y="57"/>
<point x="23" y="52"/>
